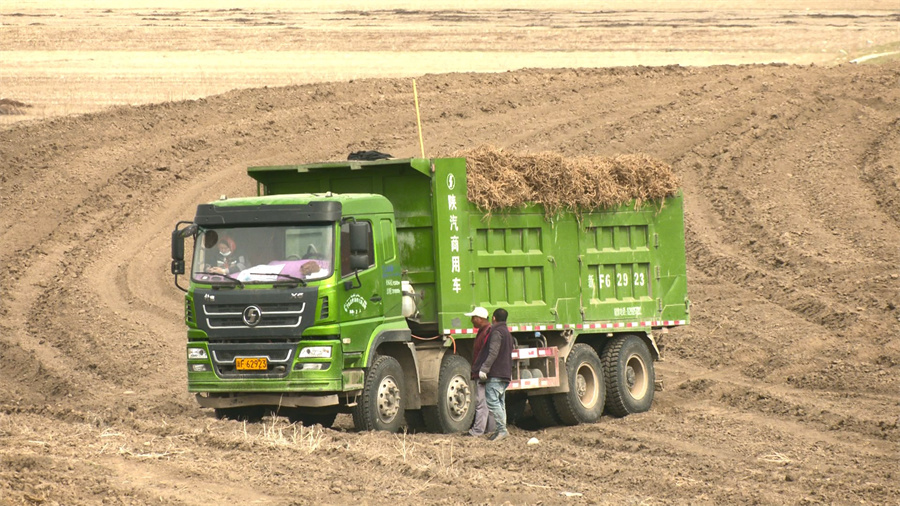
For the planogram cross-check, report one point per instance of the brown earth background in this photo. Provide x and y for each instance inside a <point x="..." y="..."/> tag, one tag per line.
<point x="784" y="390"/>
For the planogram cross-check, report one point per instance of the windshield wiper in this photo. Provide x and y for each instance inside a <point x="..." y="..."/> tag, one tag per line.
<point x="292" y="278"/>
<point x="226" y="276"/>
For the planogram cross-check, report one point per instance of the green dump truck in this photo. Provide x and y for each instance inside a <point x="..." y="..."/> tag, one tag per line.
<point x="342" y="288"/>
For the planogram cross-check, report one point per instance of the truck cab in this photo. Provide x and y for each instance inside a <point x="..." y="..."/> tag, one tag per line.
<point x="284" y="295"/>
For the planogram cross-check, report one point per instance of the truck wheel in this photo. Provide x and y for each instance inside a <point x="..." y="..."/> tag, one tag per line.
<point x="382" y="404"/>
<point x="309" y="417"/>
<point x="583" y="403"/>
<point x="252" y="414"/>
<point x="516" y="401"/>
<point x="543" y="410"/>
<point x="455" y="409"/>
<point x="629" y="376"/>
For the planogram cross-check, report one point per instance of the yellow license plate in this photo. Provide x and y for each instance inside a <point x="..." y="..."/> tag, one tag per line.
<point x="251" y="364"/>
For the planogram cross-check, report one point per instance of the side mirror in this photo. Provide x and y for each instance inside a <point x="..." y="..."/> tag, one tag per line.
<point x="178" y="236"/>
<point x="359" y="250"/>
<point x="177" y="252"/>
<point x="359" y="245"/>
<point x="359" y="262"/>
<point x="359" y="237"/>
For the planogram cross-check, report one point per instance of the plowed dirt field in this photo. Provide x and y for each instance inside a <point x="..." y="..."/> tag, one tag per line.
<point x="784" y="390"/>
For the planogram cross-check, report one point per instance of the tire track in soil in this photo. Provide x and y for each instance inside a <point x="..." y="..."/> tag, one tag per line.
<point x="880" y="167"/>
<point x="867" y="425"/>
<point x="796" y="341"/>
<point x="162" y="482"/>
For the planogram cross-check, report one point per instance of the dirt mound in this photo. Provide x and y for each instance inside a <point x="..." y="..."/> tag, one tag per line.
<point x="788" y="372"/>
<point x="501" y="179"/>
<point x="11" y="107"/>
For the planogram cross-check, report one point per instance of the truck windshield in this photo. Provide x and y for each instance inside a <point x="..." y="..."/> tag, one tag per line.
<point x="264" y="254"/>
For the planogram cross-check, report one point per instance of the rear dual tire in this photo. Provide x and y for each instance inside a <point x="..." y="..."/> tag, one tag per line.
<point x="543" y="410"/>
<point x="630" y="378"/>
<point x="584" y="401"/>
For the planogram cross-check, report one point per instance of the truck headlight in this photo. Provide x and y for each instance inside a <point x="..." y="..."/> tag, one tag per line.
<point x="196" y="354"/>
<point x="199" y="367"/>
<point x="316" y="352"/>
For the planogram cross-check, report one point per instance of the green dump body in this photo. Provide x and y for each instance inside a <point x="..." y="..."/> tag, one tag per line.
<point x="604" y="271"/>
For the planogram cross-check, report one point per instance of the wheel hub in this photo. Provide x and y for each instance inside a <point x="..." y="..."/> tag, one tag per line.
<point x="388" y="399"/>
<point x="636" y="377"/>
<point x="629" y="377"/>
<point x="586" y="384"/>
<point x="459" y="397"/>
<point x="580" y="386"/>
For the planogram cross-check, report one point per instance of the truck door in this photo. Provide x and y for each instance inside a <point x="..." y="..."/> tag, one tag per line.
<point x="615" y="265"/>
<point x="361" y="304"/>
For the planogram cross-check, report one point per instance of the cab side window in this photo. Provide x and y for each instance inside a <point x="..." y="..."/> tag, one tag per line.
<point x="345" y="247"/>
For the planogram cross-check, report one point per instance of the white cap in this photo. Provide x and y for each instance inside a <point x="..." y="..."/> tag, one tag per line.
<point x="479" y="312"/>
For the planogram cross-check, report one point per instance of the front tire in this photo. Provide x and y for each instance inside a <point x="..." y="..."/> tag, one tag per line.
<point x="630" y="377"/>
<point x="455" y="409"/>
<point x="583" y="403"/>
<point x="382" y="404"/>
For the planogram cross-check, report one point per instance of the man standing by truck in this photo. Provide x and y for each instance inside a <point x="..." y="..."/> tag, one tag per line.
<point x="495" y="370"/>
<point x="483" y="419"/>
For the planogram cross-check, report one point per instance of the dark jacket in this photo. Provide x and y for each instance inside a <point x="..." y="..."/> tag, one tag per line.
<point x="480" y="340"/>
<point x="496" y="357"/>
<point x="231" y="263"/>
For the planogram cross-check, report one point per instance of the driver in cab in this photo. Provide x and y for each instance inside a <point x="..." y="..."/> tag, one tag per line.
<point x="227" y="261"/>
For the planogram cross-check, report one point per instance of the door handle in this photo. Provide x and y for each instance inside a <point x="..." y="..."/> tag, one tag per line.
<point x="375" y="298"/>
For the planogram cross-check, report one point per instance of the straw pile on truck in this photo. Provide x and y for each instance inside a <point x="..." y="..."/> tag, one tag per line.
<point x="501" y="180"/>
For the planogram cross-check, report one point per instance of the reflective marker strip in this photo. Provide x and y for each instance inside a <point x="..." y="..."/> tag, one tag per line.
<point x="535" y="352"/>
<point x="460" y="331"/>
<point x="578" y="326"/>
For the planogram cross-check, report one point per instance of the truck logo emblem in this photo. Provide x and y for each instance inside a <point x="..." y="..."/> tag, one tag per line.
<point x="355" y="305"/>
<point x="209" y="297"/>
<point x="297" y="295"/>
<point x="252" y="315"/>
<point x="451" y="181"/>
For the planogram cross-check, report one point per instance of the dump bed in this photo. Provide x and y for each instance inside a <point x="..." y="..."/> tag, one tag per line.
<point x="615" y="268"/>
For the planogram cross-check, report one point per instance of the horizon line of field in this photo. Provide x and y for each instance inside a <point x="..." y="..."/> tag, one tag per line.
<point x="211" y="61"/>
<point x="86" y="81"/>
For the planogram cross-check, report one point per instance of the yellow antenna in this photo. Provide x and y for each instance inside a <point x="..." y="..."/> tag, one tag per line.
<point x="418" y="119"/>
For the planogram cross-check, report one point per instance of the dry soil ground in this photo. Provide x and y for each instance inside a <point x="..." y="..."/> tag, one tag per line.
<point x="784" y="390"/>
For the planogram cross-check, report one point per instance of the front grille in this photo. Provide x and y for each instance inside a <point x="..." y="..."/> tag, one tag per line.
<point x="253" y="340"/>
<point x="230" y="322"/>
<point x="278" y="355"/>
<point x="255" y="315"/>
<point x="270" y="307"/>
<point x="224" y="355"/>
<point x="275" y="371"/>
<point x="323" y="314"/>
<point x="189" y="316"/>
<point x="231" y="316"/>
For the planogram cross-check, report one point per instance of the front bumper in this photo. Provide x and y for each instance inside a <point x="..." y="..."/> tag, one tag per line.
<point x="215" y="371"/>
<point x="249" y="399"/>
